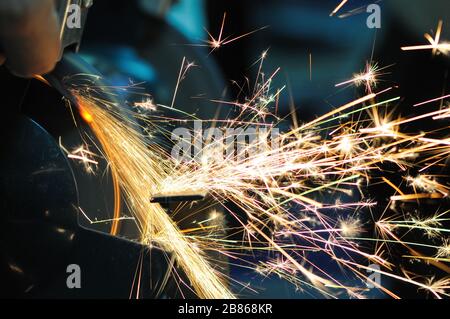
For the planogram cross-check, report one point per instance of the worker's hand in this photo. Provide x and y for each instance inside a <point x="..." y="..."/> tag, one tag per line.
<point x="29" y="36"/>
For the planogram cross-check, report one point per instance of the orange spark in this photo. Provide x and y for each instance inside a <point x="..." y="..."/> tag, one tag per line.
<point x="434" y="45"/>
<point x="216" y="43"/>
<point x="86" y="115"/>
<point x="339" y="7"/>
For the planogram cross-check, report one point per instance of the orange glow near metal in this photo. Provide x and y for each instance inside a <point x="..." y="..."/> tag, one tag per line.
<point x="86" y="115"/>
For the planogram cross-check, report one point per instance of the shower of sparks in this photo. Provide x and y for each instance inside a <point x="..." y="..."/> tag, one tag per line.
<point x="267" y="184"/>
<point x="297" y="195"/>
<point x="435" y="43"/>
<point x="139" y="169"/>
<point x="286" y="191"/>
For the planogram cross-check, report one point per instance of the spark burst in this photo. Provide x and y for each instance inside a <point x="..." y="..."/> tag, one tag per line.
<point x="83" y="155"/>
<point x="216" y="43"/>
<point x="369" y="78"/>
<point x="435" y="43"/>
<point x="295" y="194"/>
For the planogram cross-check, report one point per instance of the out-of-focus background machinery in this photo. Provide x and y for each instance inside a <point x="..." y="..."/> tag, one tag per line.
<point x="41" y="228"/>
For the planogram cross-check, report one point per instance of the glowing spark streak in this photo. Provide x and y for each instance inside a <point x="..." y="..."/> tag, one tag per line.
<point x="183" y="70"/>
<point x="243" y="35"/>
<point x="82" y="158"/>
<point x="392" y="185"/>
<point x="415" y="283"/>
<point x="312" y="277"/>
<point x="296" y="196"/>
<point x="435" y="45"/>
<point x="412" y="119"/>
<point x="217" y="43"/>
<point x="433" y="100"/>
<point x="340" y="5"/>
<point x="414" y="252"/>
<point x="339" y="109"/>
<point x="394" y="241"/>
<point x="315" y="190"/>
<point x="359" y="110"/>
<point x="427" y="47"/>
<point x="180" y="74"/>
<point x="443" y="230"/>
<point x="103" y="220"/>
<point x="264" y="86"/>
